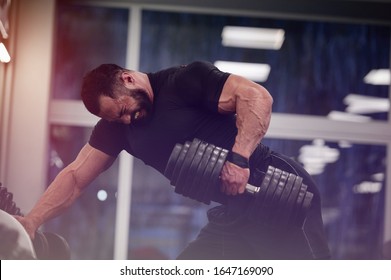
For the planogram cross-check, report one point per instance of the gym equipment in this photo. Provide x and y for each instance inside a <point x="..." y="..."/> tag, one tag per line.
<point x="6" y="202"/>
<point x="45" y="246"/>
<point x="51" y="246"/>
<point x="15" y="243"/>
<point x="279" y="199"/>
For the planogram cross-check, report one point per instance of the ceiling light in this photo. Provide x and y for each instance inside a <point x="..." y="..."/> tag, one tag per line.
<point x="378" y="77"/>
<point x="4" y="56"/>
<point x="360" y="104"/>
<point x="256" y="72"/>
<point x="252" y="37"/>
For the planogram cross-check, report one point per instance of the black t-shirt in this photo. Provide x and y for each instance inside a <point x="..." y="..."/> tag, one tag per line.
<point x="185" y="107"/>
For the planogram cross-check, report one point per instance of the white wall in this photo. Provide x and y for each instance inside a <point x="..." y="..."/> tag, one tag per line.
<point x="25" y="163"/>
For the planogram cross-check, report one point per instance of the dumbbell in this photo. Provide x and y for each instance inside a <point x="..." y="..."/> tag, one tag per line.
<point x="278" y="199"/>
<point x="6" y="202"/>
<point x="51" y="246"/>
<point x="47" y="245"/>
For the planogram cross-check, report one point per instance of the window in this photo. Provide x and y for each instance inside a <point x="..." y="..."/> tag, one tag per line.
<point x="319" y="69"/>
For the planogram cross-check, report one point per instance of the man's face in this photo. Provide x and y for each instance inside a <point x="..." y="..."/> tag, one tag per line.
<point x="133" y="107"/>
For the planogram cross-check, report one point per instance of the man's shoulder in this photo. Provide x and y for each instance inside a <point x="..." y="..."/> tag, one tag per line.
<point x="109" y="137"/>
<point x="199" y="64"/>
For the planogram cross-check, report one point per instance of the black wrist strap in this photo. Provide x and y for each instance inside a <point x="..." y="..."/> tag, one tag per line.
<point x="238" y="160"/>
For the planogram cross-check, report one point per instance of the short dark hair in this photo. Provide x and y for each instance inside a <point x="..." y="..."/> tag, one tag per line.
<point x="100" y="81"/>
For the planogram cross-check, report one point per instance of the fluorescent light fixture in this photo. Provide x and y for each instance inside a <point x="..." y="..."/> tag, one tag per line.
<point x="256" y="72"/>
<point x="378" y="77"/>
<point x="344" y="144"/>
<point x="252" y="37"/>
<point x="367" y="187"/>
<point x="360" y="104"/>
<point x="4" y="56"/>
<point x="316" y="156"/>
<point x="347" y="117"/>
<point x="379" y="177"/>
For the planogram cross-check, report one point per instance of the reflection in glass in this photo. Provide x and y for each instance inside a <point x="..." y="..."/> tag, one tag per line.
<point x="318" y="65"/>
<point x="351" y="179"/>
<point x="162" y="222"/>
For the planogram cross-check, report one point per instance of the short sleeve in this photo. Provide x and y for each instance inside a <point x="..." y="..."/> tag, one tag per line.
<point x="201" y="84"/>
<point x="108" y="137"/>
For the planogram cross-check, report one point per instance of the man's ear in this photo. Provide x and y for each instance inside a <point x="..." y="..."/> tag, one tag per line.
<point x="127" y="78"/>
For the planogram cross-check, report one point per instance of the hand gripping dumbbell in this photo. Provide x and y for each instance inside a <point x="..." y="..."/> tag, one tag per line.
<point x="278" y="199"/>
<point x="47" y="245"/>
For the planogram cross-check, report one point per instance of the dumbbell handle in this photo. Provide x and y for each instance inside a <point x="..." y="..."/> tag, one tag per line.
<point x="250" y="189"/>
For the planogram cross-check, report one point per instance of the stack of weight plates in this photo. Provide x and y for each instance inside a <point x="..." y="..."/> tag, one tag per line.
<point x="194" y="169"/>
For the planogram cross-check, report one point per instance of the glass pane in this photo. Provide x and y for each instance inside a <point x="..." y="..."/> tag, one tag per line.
<point x="162" y="222"/>
<point x="351" y="179"/>
<point x="319" y="69"/>
<point x="85" y="37"/>
<point x="88" y="225"/>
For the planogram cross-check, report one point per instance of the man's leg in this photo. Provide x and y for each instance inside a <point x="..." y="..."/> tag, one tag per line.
<point x="219" y="240"/>
<point x="313" y="229"/>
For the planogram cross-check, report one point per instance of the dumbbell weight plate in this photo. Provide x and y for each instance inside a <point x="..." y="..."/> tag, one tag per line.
<point x="206" y="177"/>
<point x="280" y="204"/>
<point x="11" y="207"/>
<point x="214" y="191"/>
<point x="306" y="205"/>
<point x="6" y="199"/>
<point x="178" y="165"/>
<point x="298" y="205"/>
<point x="273" y="205"/>
<point x="272" y="187"/>
<point x="3" y="192"/>
<point x="41" y="246"/>
<point x="58" y="248"/>
<point x="192" y="170"/>
<point x="184" y="169"/>
<point x="265" y="208"/>
<point x="172" y="161"/>
<point x="8" y="203"/>
<point x="197" y="188"/>
<point x="280" y="188"/>
<point x="291" y="202"/>
<point x="254" y="210"/>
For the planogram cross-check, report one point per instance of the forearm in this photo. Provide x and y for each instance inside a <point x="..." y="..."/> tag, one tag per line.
<point x="253" y="113"/>
<point x="61" y="193"/>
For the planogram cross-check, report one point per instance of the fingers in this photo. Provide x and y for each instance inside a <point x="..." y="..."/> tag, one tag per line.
<point x="29" y="229"/>
<point x="234" y="179"/>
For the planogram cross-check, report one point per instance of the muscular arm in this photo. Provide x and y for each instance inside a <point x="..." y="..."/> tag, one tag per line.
<point x="67" y="187"/>
<point x="253" y="106"/>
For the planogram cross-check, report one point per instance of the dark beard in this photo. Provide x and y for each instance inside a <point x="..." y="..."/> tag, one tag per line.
<point x="144" y="104"/>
